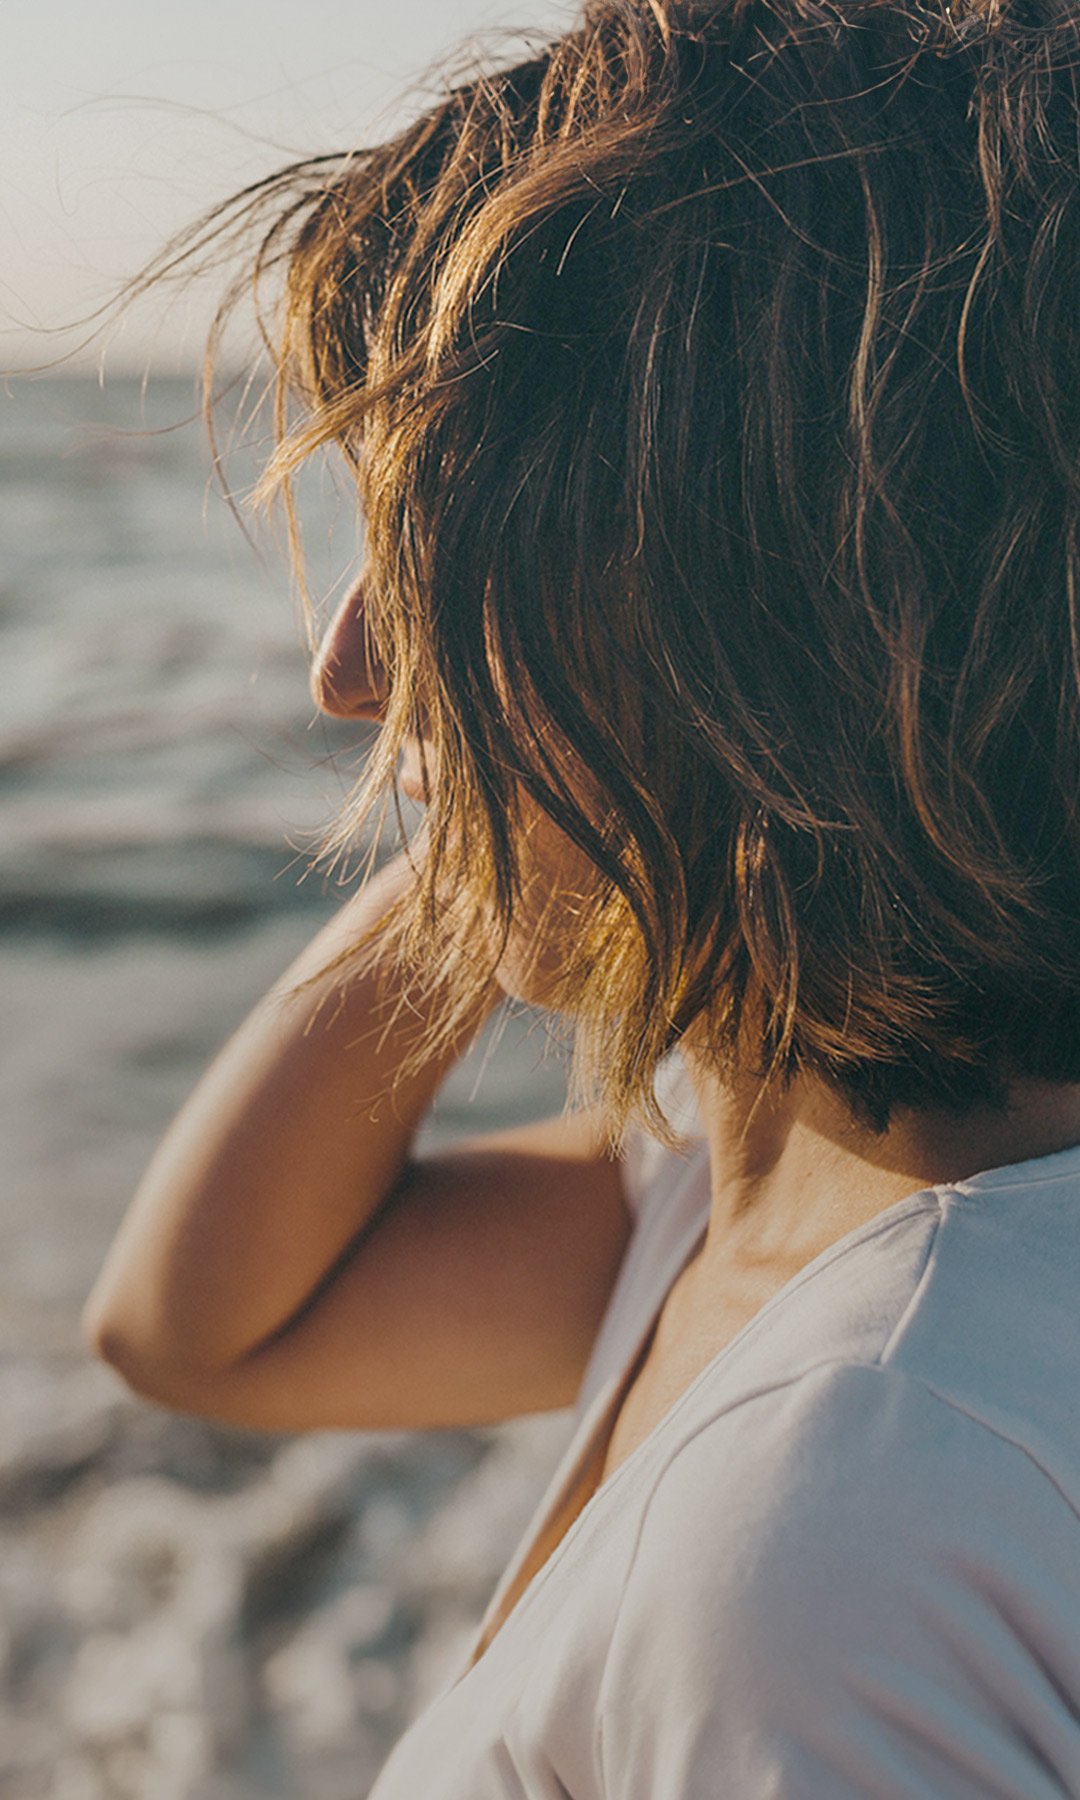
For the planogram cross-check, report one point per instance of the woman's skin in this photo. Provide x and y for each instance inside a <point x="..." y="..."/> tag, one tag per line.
<point x="791" y="1174"/>
<point x="291" y="1260"/>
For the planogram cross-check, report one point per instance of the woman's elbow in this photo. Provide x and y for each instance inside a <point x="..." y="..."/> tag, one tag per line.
<point x="147" y="1370"/>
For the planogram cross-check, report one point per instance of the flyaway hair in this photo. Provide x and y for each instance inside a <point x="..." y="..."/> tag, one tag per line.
<point x="711" y="382"/>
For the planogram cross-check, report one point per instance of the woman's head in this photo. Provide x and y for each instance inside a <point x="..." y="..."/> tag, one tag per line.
<point x="349" y="681"/>
<point x="709" y="382"/>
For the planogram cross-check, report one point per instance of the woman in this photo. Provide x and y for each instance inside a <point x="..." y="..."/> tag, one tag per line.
<point x="710" y="385"/>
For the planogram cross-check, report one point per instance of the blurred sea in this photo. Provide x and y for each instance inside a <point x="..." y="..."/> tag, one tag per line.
<point x="163" y="777"/>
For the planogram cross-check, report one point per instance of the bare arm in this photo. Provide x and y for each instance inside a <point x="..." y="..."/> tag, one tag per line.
<point x="286" y="1262"/>
<point x="287" y="1147"/>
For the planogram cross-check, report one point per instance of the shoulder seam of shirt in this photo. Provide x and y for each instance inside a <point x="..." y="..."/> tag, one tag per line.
<point x="838" y="1365"/>
<point x="992" y="1430"/>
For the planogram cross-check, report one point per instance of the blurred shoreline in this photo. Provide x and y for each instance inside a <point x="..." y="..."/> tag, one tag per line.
<point x="185" y="1610"/>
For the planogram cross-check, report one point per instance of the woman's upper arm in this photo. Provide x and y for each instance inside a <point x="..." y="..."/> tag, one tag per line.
<point x="473" y="1295"/>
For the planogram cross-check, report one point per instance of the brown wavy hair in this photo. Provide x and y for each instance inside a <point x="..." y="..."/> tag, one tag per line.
<point x="709" y="379"/>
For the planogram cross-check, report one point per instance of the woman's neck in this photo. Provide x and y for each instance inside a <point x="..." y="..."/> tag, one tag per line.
<point x="791" y="1174"/>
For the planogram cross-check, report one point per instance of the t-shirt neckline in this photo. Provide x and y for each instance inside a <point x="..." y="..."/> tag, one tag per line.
<point x="1054" y="1165"/>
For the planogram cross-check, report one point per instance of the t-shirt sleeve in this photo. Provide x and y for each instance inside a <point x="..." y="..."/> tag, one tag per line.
<point x="847" y="1589"/>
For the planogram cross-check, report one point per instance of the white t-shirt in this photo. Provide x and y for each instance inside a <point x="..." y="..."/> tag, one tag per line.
<point x="845" y="1565"/>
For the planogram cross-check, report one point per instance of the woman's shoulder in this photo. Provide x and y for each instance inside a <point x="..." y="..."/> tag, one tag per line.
<point x="848" y="1567"/>
<point x="842" y="1453"/>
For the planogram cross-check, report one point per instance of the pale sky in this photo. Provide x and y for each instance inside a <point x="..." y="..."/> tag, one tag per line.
<point x="120" y="121"/>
